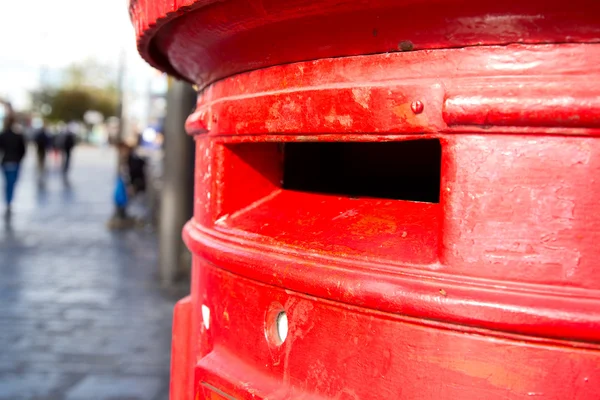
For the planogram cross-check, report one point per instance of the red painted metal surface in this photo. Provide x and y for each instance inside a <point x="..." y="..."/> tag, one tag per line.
<point x="205" y="40"/>
<point x="306" y="173"/>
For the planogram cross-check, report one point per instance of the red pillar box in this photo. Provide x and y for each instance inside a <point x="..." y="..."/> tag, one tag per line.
<point x="394" y="199"/>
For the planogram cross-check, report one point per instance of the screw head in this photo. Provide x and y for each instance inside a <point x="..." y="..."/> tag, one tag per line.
<point x="417" y="106"/>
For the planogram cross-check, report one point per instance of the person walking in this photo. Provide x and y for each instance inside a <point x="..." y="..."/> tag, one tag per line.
<point x="54" y="147"/>
<point x="68" y="142"/>
<point x="42" y="142"/>
<point x="12" y="147"/>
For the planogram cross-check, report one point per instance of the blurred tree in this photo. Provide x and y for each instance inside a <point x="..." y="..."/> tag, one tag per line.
<point x="86" y="86"/>
<point x="90" y="73"/>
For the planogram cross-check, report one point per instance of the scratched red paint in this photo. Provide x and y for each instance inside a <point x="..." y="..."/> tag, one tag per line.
<point x="491" y="292"/>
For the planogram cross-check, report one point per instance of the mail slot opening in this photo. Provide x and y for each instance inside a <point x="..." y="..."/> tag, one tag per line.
<point x="406" y="170"/>
<point x="333" y="197"/>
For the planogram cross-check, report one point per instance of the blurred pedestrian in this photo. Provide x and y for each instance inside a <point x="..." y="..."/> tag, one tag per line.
<point x="132" y="167"/>
<point x="54" y="147"/>
<point x="137" y="172"/>
<point x="56" y="143"/>
<point x="130" y="183"/>
<point x="12" y="147"/>
<point x="67" y="143"/>
<point x="121" y="219"/>
<point x="42" y="142"/>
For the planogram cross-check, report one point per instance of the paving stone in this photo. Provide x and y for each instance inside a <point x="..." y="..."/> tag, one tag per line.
<point x="96" y="387"/>
<point x="14" y="386"/>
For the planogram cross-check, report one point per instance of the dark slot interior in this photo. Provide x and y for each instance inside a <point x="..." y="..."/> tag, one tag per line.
<point x="407" y="170"/>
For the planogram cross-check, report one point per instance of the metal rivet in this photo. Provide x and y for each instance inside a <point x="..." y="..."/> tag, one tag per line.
<point x="417" y="107"/>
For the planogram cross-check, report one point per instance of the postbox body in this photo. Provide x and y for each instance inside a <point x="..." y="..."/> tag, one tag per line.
<point x="393" y="200"/>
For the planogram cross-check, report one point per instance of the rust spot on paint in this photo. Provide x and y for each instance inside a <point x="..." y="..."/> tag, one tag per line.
<point x="408" y="117"/>
<point x="405" y="45"/>
<point x="308" y="221"/>
<point x="443" y="292"/>
<point x="371" y="225"/>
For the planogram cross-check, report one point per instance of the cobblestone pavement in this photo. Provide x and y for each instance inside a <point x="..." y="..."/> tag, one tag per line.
<point x="81" y="313"/>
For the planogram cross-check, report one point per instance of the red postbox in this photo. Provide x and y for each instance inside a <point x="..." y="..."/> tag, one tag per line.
<point x="393" y="200"/>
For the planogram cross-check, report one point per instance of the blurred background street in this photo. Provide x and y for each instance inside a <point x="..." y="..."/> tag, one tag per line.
<point x="82" y="315"/>
<point x="91" y="256"/>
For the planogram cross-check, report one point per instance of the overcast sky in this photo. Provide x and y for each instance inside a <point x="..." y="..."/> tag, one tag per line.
<point x="55" y="33"/>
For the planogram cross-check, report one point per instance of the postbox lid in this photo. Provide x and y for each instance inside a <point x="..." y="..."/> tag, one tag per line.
<point x="205" y="40"/>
